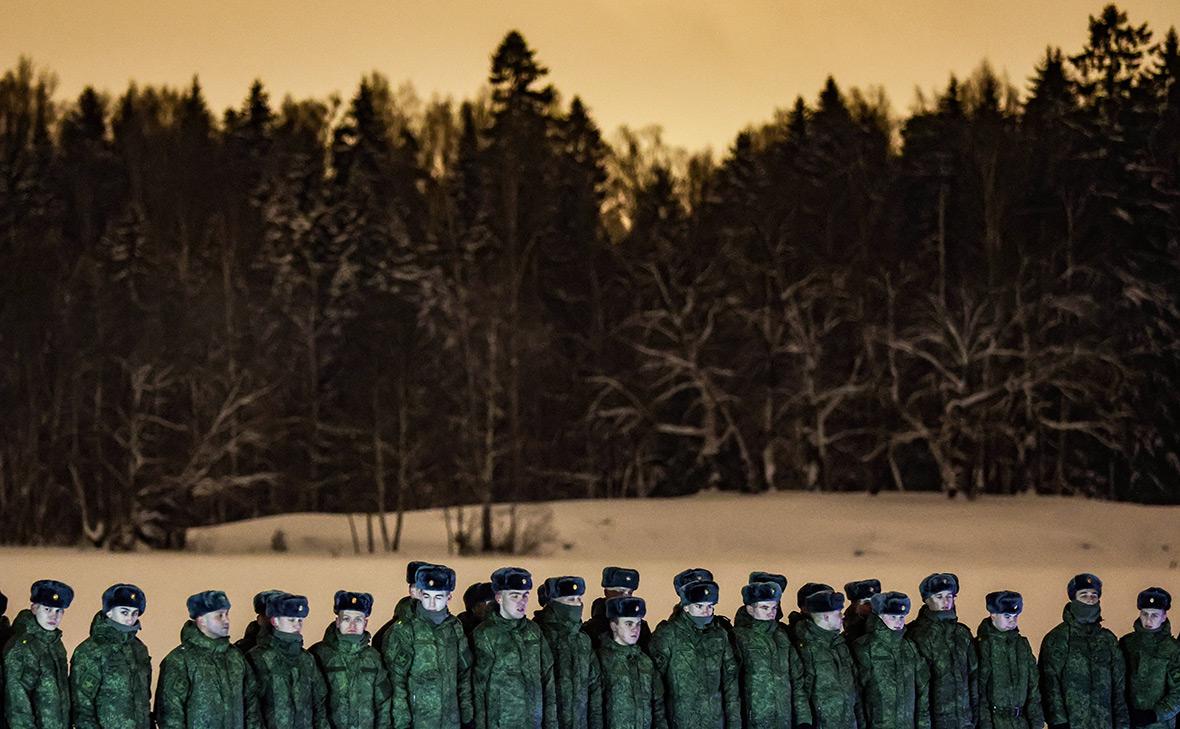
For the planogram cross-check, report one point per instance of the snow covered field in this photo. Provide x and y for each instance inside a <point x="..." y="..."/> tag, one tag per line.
<point x="1027" y="543"/>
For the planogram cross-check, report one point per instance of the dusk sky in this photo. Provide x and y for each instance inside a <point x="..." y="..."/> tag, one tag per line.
<point x="701" y="70"/>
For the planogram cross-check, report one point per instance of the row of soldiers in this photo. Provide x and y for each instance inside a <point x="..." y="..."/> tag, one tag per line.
<point x="835" y="663"/>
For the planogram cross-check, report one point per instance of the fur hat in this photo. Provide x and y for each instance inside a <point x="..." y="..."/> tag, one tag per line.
<point x="1084" y="581"/>
<point x="780" y="580"/>
<point x="361" y="602"/>
<point x="51" y="593"/>
<point x="206" y="602"/>
<point x="476" y="593"/>
<point x="694" y="574"/>
<point x="891" y="603"/>
<point x="1154" y="598"/>
<point x="435" y="577"/>
<point x="700" y="591"/>
<point x="261" y="598"/>
<point x="543" y="591"/>
<point x="568" y="586"/>
<point x="824" y="601"/>
<point x="809" y="589"/>
<point x="620" y="577"/>
<point x="123" y="595"/>
<point x="625" y="607"/>
<point x="511" y="579"/>
<point x="761" y="592"/>
<point x="412" y="570"/>
<point x="862" y="589"/>
<point x="939" y="582"/>
<point x="1004" y="602"/>
<point x="287" y="606"/>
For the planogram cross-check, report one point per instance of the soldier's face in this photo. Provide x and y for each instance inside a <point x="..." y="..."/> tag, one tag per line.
<point x="513" y="603"/>
<point x="610" y="592"/>
<point x="1087" y="597"/>
<point x="47" y="617"/>
<point x="941" y="601"/>
<point x="763" y="610"/>
<point x="832" y="620"/>
<point x="214" y="624"/>
<point x="124" y="615"/>
<point x="434" y="600"/>
<point x="351" y="622"/>
<point x="1004" y="621"/>
<point x="572" y="601"/>
<point x="626" y="631"/>
<point x="700" y="609"/>
<point x="288" y="625"/>
<point x="893" y="622"/>
<point x="1152" y="619"/>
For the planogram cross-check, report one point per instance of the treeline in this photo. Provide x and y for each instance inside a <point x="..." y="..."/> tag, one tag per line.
<point x="382" y="303"/>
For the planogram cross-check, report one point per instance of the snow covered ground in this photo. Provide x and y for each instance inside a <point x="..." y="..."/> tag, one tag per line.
<point x="1027" y="543"/>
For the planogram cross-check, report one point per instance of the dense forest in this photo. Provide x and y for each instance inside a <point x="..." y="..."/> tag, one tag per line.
<point x="381" y="303"/>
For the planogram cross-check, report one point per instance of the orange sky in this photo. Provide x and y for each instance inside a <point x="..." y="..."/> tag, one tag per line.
<point x="702" y="70"/>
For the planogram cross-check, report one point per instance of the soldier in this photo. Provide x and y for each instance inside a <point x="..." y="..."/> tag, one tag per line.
<point x="632" y="693"/>
<point x="948" y="649"/>
<point x="616" y="582"/>
<point x="428" y="658"/>
<point x="694" y="659"/>
<point x="359" y="691"/>
<point x="800" y="616"/>
<point x="827" y="663"/>
<point x="893" y="679"/>
<point x="37" y="688"/>
<point x="859" y="593"/>
<point x="1153" y="663"/>
<point x="293" y="693"/>
<point x="513" y="678"/>
<point x="478" y="601"/>
<point x="260" y="623"/>
<point x="774" y="695"/>
<point x="404" y="605"/>
<point x="111" y="671"/>
<point x="1009" y="696"/>
<point x="1083" y="677"/>
<point x="743" y="614"/>
<point x="205" y="682"/>
<point x="575" y="668"/>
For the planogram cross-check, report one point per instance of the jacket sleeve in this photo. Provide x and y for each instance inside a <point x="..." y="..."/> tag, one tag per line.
<point x="921" y="692"/>
<point x="85" y="680"/>
<point x="1052" y="688"/>
<point x="398" y="658"/>
<point x="252" y="692"/>
<point x="1168" y="707"/>
<point x="661" y="659"/>
<point x="659" y="714"/>
<point x="863" y="671"/>
<point x="466" y="665"/>
<point x="972" y="676"/>
<point x="548" y="687"/>
<point x="1118" y="686"/>
<point x="983" y="681"/>
<point x="480" y="675"/>
<point x="383" y="699"/>
<point x="594" y="699"/>
<point x="800" y="704"/>
<point x="730" y="688"/>
<point x="1032" y="705"/>
<point x="172" y="692"/>
<point x="319" y="697"/>
<point x="20" y="681"/>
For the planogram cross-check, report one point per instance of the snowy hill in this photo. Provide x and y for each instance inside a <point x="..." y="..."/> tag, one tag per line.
<point x="1031" y="544"/>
